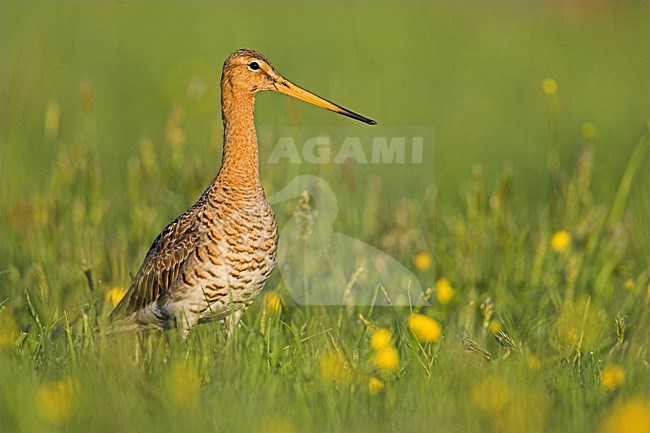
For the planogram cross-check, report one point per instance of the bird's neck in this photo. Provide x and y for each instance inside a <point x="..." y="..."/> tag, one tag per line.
<point x="240" y="165"/>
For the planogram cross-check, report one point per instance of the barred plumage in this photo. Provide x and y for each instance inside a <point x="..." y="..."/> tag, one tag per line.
<point x="215" y="258"/>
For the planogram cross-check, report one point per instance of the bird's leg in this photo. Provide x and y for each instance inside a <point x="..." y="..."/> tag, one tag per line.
<point x="231" y="323"/>
<point x="186" y="332"/>
<point x="186" y="322"/>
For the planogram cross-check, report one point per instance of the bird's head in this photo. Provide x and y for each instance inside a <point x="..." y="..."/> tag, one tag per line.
<point x="247" y="71"/>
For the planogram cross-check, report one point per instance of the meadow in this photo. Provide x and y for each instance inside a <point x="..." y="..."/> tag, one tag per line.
<point x="526" y="222"/>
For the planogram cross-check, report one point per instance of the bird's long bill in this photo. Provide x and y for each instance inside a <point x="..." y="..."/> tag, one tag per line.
<point x="288" y="88"/>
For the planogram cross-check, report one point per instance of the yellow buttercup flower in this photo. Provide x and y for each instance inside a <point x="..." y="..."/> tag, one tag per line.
<point x="612" y="377"/>
<point x="54" y="401"/>
<point x="526" y="410"/>
<point x="628" y="416"/>
<point x="491" y="394"/>
<point x="588" y="131"/>
<point x="629" y="284"/>
<point x="184" y="387"/>
<point x="115" y="295"/>
<point x="52" y="119"/>
<point x="273" y="302"/>
<point x="333" y="368"/>
<point x="494" y="326"/>
<point x="444" y="291"/>
<point x="578" y="325"/>
<point x="386" y="359"/>
<point x="560" y="241"/>
<point x="380" y="339"/>
<point x="533" y="362"/>
<point x="424" y="328"/>
<point x="508" y="407"/>
<point x="375" y="386"/>
<point x="549" y="86"/>
<point x="423" y="261"/>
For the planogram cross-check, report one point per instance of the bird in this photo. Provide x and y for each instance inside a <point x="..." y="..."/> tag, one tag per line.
<point x="211" y="262"/>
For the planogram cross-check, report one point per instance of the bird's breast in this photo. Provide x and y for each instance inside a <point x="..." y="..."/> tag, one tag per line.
<point x="236" y="255"/>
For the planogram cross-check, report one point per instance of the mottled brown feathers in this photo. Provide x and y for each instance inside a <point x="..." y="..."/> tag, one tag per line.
<point x="216" y="257"/>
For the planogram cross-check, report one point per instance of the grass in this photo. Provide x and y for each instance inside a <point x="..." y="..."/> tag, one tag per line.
<point x="537" y="273"/>
<point x="527" y="333"/>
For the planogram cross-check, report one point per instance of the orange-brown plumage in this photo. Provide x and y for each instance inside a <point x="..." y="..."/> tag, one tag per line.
<point x="215" y="258"/>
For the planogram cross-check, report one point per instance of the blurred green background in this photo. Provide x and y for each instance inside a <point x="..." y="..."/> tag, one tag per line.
<point x="471" y="70"/>
<point x="110" y="128"/>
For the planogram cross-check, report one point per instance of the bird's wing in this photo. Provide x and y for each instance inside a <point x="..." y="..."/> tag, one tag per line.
<point x="162" y="265"/>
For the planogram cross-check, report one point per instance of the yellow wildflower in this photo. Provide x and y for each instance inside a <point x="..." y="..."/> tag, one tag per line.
<point x="424" y="328"/>
<point x="273" y="302"/>
<point x="54" y="401"/>
<point x="560" y="241"/>
<point x="52" y="119"/>
<point x="333" y="368"/>
<point x="444" y="291"/>
<point x="526" y="410"/>
<point x="509" y="407"/>
<point x="184" y="387"/>
<point x="578" y="325"/>
<point x="115" y="295"/>
<point x="423" y="261"/>
<point x="588" y="131"/>
<point x="549" y="86"/>
<point x="491" y="394"/>
<point x="494" y="326"/>
<point x="386" y="359"/>
<point x="612" y="377"/>
<point x="629" y="284"/>
<point x="375" y="386"/>
<point x="533" y="362"/>
<point x="380" y="339"/>
<point x="628" y="416"/>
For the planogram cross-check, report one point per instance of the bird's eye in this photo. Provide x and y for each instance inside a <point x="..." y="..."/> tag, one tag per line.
<point x="254" y="66"/>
